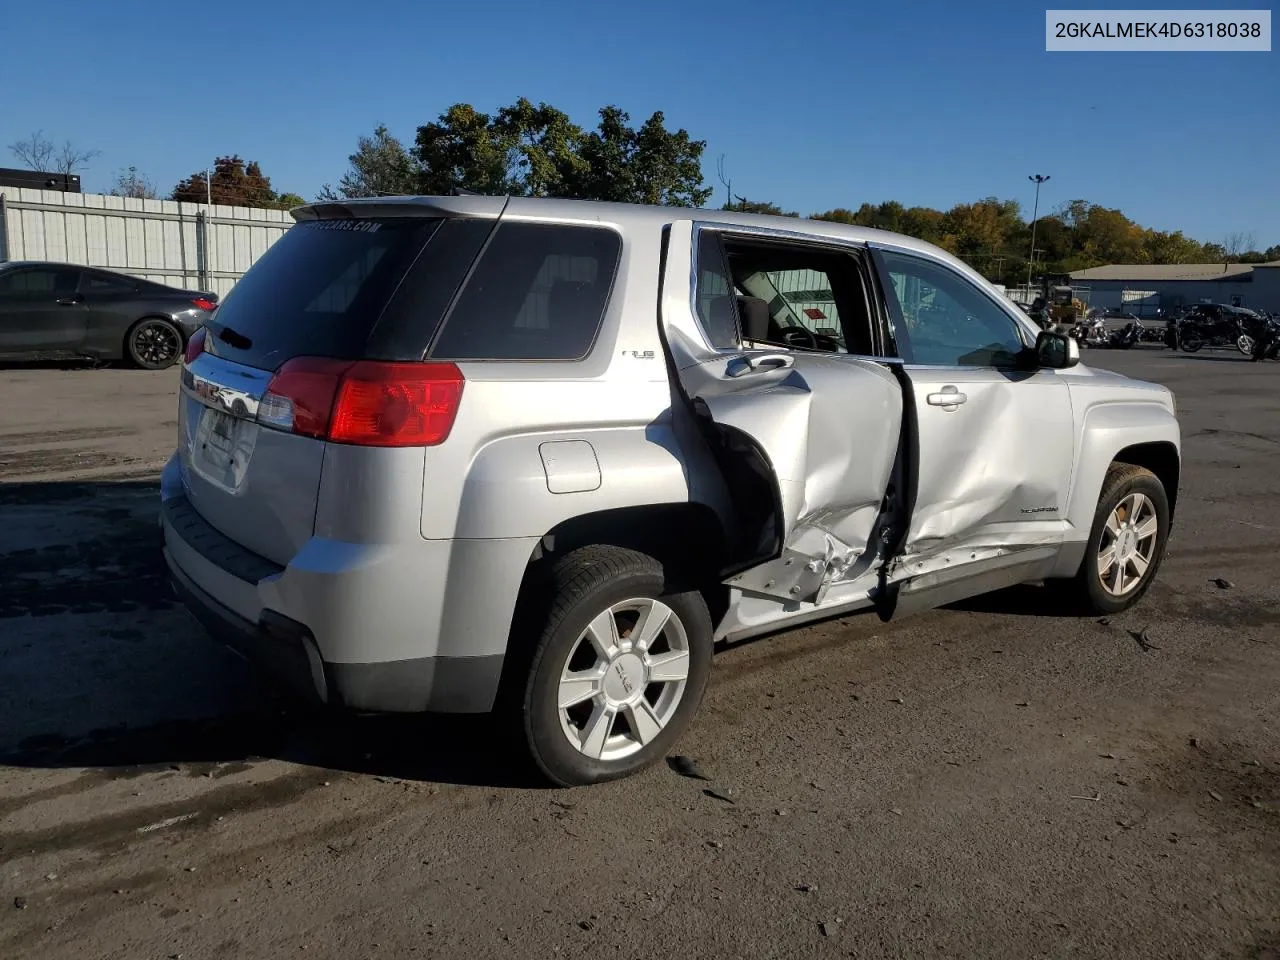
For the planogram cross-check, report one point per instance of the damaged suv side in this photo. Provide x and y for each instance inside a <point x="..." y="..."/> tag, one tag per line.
<point x="537" y="456"/>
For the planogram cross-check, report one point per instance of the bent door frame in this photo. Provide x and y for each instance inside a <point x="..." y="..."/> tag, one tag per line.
<point x="765" y="398"/>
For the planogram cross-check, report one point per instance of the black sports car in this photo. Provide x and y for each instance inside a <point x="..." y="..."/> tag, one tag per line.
<point x="60" y="309"/>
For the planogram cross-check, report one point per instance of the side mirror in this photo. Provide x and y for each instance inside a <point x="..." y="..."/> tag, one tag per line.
<point x="1056" y="351"/>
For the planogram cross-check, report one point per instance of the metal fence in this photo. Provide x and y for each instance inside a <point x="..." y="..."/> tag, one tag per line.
<point x="189" y="245"/>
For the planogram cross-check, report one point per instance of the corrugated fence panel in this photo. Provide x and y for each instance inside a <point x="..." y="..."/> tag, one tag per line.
<point x="181" y="244"/>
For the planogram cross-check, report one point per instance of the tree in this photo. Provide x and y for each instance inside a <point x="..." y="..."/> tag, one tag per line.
<point x="837" y="215"/>
<point x="234" y="183"/>
<point x="133" y="183"/>
<point x="1173" y="248"/>
<point x="743" y="205"/>
<point x="651" y="165"/>
<point x="380" y="167"/>
<point x="463" y="148"/>
<point x="1237" y="243"/>
<point x="536" y="150"/>
<point x="543" y="148"/>
<point x="668" y="166"/>
<point x="43" y="155"/>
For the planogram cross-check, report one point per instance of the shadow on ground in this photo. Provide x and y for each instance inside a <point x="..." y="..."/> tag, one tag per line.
<point x="91" y="575"/>
<point x="1026" y="600"/>
<point x="1221" y="358"/>
<point x="54" y="363"/>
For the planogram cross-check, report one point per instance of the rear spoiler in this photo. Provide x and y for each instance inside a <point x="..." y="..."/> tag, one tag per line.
<point x="464" y="204"/>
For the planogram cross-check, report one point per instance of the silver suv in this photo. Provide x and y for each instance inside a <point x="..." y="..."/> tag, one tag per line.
<point x="537" y="456"/>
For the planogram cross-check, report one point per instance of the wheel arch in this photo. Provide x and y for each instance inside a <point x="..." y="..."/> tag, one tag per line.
<point x="1146" y="432"/>
<point x="1162" y="458"/>
<point x="688" y="538"/>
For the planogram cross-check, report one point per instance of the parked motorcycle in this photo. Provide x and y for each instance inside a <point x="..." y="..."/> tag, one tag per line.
<point x="1152" y="333"/>
<point x="1266" y="342"/>
<point x="1093" y="332"/>
<point x="1217" y="328"/>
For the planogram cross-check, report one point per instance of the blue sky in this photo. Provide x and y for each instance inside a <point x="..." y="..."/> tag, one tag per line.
<point x="814" y="104"/>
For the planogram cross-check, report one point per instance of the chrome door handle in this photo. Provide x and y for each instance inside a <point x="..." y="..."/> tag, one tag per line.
<point x="948" y="397"/>
<point x="741" y="366"/>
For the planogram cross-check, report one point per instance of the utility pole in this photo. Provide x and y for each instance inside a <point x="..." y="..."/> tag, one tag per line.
<point x="1037" y="179"/>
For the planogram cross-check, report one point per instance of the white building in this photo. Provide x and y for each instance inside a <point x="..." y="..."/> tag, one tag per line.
<point x="1145" y="288"/>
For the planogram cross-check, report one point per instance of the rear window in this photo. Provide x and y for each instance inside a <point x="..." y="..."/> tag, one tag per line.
<point x="318" y="291"/>
<point x="538" y="293"/>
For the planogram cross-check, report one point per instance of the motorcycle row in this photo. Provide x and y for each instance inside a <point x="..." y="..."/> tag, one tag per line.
<point x="1255" y="334"/>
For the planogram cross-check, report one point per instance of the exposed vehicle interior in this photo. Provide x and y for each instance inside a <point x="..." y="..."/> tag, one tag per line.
<point x="808" y="299"/>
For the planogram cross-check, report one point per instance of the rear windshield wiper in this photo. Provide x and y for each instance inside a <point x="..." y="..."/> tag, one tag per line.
<point x="233" y="338"/>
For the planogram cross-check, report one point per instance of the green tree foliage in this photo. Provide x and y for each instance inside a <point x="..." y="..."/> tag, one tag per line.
<point x="533" y="150"/>
<point x="234" y="183"/>
<point x="464" y="148"/>
<point x="380" y="167"/>
<point x="992" y="236"/>
<point x="651" y="165"/>
<point x="743" y="205"/>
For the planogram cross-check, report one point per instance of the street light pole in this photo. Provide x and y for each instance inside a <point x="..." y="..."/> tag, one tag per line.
<point x="1037" y="179"/>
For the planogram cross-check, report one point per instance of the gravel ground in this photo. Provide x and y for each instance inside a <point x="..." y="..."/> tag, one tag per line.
<point x="987" y="780"/>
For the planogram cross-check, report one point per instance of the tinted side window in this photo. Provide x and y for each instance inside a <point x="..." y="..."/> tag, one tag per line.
<point x="101" y="283"/>
<point x="717" y="307"/>
<point x="940" y="318"/>
<point x="36" y="282"/>
<point x="538" y="293"/>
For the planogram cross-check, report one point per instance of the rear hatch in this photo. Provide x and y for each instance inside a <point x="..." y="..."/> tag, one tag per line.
<point x="324" y="333"/>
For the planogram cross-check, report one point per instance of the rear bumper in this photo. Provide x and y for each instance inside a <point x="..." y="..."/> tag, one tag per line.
<point x="336" y="623"/>
<point x="275" y="643"/>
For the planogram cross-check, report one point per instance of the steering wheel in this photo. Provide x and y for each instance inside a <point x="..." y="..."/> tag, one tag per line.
<point x="791" y="334"/>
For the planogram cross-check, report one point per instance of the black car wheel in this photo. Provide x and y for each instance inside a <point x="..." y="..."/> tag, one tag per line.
<point x="153" y="344"/>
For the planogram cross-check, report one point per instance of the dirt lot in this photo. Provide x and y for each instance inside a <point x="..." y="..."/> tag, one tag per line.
<point x="990" y="780"/>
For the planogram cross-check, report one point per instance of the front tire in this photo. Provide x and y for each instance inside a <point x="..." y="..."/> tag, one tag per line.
<point x="1126" y="543"/>
<point x="618" y="670"/>
<point x="153" y="344"/>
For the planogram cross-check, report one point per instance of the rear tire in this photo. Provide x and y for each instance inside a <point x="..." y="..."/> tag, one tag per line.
<point x="618" y="670"/>
<point x="153" y="343"/>
<point x="1125" y="547"/>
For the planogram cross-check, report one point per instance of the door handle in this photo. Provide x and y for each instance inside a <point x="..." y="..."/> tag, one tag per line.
<point x="741" y="366"/>
<point x="948" y="397"/>
<point x="69" y="301"/>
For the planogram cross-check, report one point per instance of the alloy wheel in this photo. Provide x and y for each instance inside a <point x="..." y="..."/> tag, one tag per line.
<point x="156" y="343"/>
<point x="624" y="679"/>
<point x="1128" y="544"/>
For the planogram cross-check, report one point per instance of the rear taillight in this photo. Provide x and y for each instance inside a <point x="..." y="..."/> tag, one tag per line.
<point x="195" y="346"/>
<point x="365" y="403"/>
<point x="300" y="396"/>
<point x="205" y="304"/>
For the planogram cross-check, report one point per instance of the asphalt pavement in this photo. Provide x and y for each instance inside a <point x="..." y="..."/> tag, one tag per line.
<point x="995" y="779"/>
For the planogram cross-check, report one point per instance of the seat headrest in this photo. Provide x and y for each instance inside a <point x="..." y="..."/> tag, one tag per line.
<point x="755" y="318"/>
